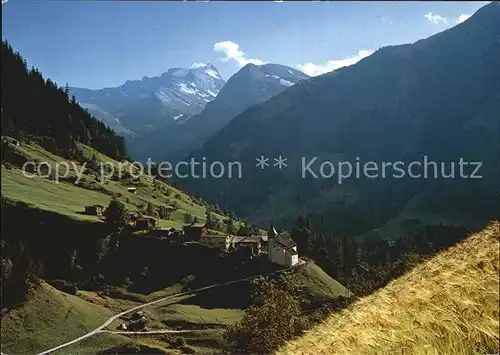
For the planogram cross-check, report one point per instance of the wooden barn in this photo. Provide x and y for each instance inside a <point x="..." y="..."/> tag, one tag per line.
<point x="195" y="231"/>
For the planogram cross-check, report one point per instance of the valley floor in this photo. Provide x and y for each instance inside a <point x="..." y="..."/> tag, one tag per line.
<point x="52" y="321"/>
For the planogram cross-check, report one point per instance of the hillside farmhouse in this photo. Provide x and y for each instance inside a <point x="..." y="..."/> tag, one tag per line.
<point x="167" y="232"/>
<point x="281" y="249"/>
<point x="254" y="244"/>
<point x="216" y="241"/>
<point x="141" y="223"/>
<point x="94" y="210"/>
<point x="229" y="243"/>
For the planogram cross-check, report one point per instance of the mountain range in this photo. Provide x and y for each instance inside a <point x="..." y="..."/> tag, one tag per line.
<point x="170" y="115"/>
<point x="140" y="106"/>
<point x="252" y="85"/>
<point x="438" y="97"/>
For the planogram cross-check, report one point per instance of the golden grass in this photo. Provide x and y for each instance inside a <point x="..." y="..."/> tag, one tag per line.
<point x="447" y="305"/>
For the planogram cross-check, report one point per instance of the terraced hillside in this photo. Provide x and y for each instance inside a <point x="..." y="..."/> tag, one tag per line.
<point x="115" y="272"/>
<point x="447" y="305"/>
<point x="67" y="198"/>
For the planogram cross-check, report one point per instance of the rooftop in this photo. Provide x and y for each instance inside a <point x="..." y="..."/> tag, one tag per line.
<point x="241" y="239"/>
<point x="285" y="240"/>
<point x="195" y="225"/>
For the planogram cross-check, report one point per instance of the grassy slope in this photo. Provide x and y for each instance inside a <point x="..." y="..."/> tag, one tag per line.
<point x="47" y="319"/>
<point x="67" y="199"/>
<point x="62" y="198"/>
<point x="192" y="314"/>
<point x="447" y="305"/>
<point x="41" y="330"/>
<point x="51" y="317"/>
<point x="319" y="285"/>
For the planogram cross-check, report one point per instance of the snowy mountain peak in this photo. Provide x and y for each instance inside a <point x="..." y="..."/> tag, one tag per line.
<point x="151" y="101"/>
<point x="197" y="69"/>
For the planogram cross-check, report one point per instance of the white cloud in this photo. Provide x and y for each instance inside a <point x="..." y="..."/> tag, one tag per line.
<point x="232" y="52"/>
<point x="463" y="17"/>
<point x="387" y="20"/>
<point x="4" y="1"/>
<point x="435" y="18"/>
<point x="198" y="65"/>
<point x="331" y="65"/>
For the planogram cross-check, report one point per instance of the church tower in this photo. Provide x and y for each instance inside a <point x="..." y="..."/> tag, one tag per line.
<point x="271" y="235"/>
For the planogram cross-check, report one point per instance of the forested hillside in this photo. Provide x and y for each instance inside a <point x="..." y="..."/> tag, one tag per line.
<point x="436" y="98"/>
<point x="36" y="107"/>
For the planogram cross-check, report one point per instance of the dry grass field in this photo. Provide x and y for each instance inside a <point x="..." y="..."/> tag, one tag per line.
<point x="447" y="305"/>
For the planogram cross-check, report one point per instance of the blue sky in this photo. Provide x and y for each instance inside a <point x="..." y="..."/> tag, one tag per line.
<point x="97" y="44"/>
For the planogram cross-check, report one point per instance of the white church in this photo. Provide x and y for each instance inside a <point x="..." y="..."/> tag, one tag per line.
<point x="281" y="249"/>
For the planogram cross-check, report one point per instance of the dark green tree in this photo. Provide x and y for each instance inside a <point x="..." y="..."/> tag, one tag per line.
<point x="150" y="210"/>
<point x="50" y="118"/>
<point x="303" y="235"/>
<point x="272" y="319"/>
<point x="164" y="212"/>
<point x="229" y="225"/>
<point x="116" y="214"/>
<point x="188" y="218"/>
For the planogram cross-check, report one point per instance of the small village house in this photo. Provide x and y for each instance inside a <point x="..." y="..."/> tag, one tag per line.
<point x="94" y="210"/>
<point x="195" y="231"/>
<point x="254" y="243"/>
<point x="146" y="223"/>
<point x="10" y="141"/>
<point x="217" y="241"/>
<point x="167" y="232"/>
<point x="132" y="219"/>
<point x="141" y="223"/>
<point x="174" y="233"/>
<point x="132" y="189"/>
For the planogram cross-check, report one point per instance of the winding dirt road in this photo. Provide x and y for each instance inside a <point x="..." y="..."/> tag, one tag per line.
<point x="101" y="329"/>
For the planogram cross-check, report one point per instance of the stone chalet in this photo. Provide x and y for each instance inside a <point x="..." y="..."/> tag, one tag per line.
<point x="216" y="241"/>
<point x="254" y="243"/>
<point x="229" y="243"/>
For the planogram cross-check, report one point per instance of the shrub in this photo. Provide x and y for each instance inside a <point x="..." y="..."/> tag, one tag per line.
<point x="188" y="350"/>
<point x="262" y="329"/>
<point x="138" y="324"/>
<point x="115" y="214"/>
<point x="163" y="212"/>
<point x="179" y="342"/>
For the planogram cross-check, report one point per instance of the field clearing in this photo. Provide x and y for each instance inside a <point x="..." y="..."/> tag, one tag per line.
<point x="319" y="285"/>
<point x="70" y="200"/>
<point x="47" y="319"/>
<point x="45" y="194"/>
